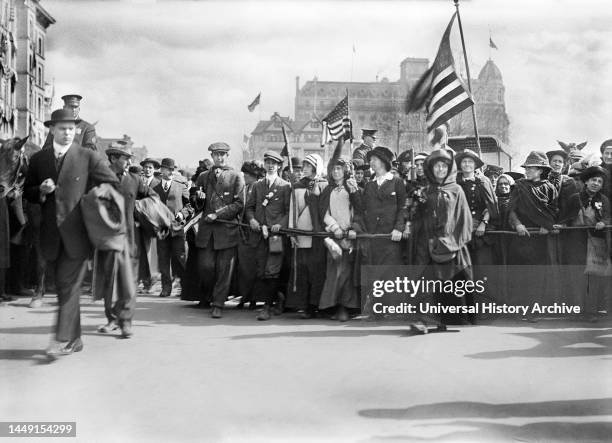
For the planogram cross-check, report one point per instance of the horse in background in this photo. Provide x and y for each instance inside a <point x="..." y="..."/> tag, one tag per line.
<point x="13" y="166"/>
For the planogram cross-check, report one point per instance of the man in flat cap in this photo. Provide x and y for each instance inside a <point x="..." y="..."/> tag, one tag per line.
<point x="267" y="212"/>
<point x="85" y="134"/>
<point x="368" y="137"/>
<point x="171" y="249"/>
<point x="220" y="195"/>
<point x="57" y="179"/>
<point x="131" y="188"/>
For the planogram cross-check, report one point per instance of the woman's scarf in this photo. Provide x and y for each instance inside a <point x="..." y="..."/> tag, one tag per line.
<point x="534" y="202"/>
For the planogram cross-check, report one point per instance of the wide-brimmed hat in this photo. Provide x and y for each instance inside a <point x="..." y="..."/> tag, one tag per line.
<point x="154" y="162"/>
<point x="468" y="153"/>
<point x="560" y="152"/>
<point x="382" y="153"/>
<point x="60" y="116"/>
<point x="253" y="168"/>
<point x="536" y="159"/>
<point x="273" y="155"/>
<point x="168" y="163"/>
<point x="119" y="147"/>
<point x="594" y="171"/>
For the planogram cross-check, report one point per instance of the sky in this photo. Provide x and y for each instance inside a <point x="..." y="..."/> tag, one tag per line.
<point x="178" y="75"/>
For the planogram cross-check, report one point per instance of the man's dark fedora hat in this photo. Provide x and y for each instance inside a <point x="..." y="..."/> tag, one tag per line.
<point x="168" y="163"/>
<point x="60" y="116"/>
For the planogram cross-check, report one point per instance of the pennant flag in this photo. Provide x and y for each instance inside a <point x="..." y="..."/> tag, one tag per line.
<point x="254" y="103"/>
<point x="337" y="123"/>
<point x="491" y="44"/>
<point x="440" y="90"/>
<point x="285" y="150"/>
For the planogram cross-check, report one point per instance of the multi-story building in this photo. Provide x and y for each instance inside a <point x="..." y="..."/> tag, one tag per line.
<point x="8" y="69"/>
<point x="33" y="92"/>
<point x="380" y="105"/>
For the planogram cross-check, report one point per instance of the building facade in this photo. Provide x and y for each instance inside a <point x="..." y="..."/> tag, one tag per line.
<point x="8" y="69"/>
<point x="140" y="152"/>
<point x="34" y="94"/>
<point x="380" y="105"/>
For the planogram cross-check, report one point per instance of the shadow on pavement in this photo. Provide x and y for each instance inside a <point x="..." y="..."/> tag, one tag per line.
<point x="482" y="431"/>
<point x="532" y="432"/>
<point x="558" y="343"/>
<point x="468" y="409"/>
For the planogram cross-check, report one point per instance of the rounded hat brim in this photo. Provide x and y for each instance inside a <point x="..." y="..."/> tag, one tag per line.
<point x="459" y="158"/>
<point x="155" y="163"/>
<point x="50" y="123"/>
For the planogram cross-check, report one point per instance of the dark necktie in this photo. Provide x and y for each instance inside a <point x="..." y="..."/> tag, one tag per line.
<point x="166" y="186"/>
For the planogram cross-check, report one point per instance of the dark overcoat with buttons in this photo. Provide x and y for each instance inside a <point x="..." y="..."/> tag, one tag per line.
<point x="276" y="211"/>
<point x="80" y="170"/>
<point x="225" y="198"/>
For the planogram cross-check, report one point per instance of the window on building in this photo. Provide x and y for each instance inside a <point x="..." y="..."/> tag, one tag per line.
<point x="314" y="125"/>
<point x="39" y="109"/>
<point x="500" y="95"/>
<point x="40" y="46"/>
<point x="39" y="76"/>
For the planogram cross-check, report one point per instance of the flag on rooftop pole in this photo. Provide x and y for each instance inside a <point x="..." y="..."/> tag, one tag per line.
<point x="337" y="124"/>
<point x="254" y="103"/>
<point x="491" y="44"/>
<point x="440" y="90"/>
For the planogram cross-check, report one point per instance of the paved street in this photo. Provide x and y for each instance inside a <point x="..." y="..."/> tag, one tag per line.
<point x="186" y="377"/>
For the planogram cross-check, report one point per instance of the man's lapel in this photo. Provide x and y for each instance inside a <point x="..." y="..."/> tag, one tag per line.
<point x="68" y="163"/>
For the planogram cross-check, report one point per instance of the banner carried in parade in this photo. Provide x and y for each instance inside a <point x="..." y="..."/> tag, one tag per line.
<point x="337" y="123"/>
<point x="440" y="90"/>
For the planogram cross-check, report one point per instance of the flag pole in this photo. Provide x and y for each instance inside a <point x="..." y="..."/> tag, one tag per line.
<point x="467" y="70"/>
<point x="351" y="123"/>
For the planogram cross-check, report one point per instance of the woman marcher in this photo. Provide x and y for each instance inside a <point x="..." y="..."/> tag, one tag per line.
<point x="414" y="191"/>
<point x="244" y="277"/>
<point x="594" y="251"/>
<point x="532" y="205"/>
<point x="482" y="201"/>
<point x="339" y="210"/>
<point x="308" y="271"/>
<point x="384" y="202"/>
<point x="447" y="230"/>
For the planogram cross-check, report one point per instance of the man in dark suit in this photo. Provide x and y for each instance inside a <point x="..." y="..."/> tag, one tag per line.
<point x="368" y="142"/>
<point x="57" y="179"/>
<point x="112" y="262"/>
<point x="175" y="195"/>
<point x="85" y="133"/>
<point x="220" y="195"/>
<point x="268" y="212"/>
<point x="149" y="165"/>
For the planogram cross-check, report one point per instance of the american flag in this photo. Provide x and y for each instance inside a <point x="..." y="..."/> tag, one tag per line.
<point x="337" y="123"/>
<point x="440" y="90"/>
